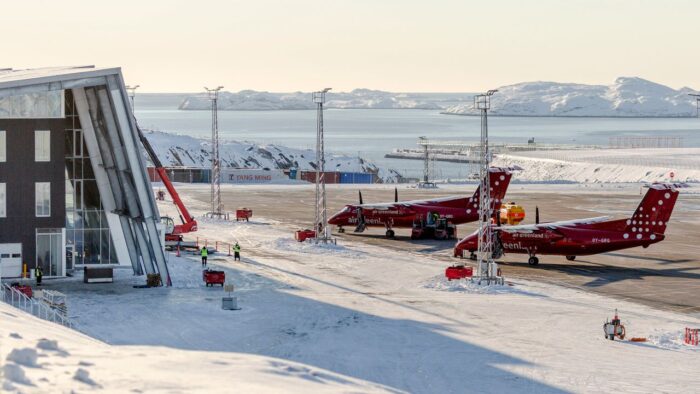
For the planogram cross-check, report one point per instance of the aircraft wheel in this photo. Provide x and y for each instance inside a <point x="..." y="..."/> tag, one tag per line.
<point x="533" y="260"/>
<point x="341" y="230"/>
<point x="472" y="256"/>
<point x="571" y="258"/>
<point x="390" y="233"/>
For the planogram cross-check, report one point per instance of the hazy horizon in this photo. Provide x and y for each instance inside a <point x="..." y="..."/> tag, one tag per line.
<point x="442" y="46"/>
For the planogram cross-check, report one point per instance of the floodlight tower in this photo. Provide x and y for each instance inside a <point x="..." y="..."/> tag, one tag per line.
<point x="697" y="104"/>
<point x="487" y="268"/>
<point x="131" y="91"/>
<point x="216" y="206"/>
<point x="321" y="214"/>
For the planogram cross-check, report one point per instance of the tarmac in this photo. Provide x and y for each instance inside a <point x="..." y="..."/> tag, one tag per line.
<point x="665" y="275"/>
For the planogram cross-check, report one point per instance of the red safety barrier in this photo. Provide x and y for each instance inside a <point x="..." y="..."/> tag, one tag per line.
<point x="459" y="272"/>
<point x="302" y="235"/>
<point x="691" y="336"/>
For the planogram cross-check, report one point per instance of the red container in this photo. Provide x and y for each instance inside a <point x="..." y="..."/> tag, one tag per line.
<point x="458" y="272"/>
<point x="310" y="176"/>
<point x="302" y="235"/>
<point x="692" y="336"/>
<point x="244" y="214"/>
<point x="25" y="289"/>
<point x="212" y="278"/>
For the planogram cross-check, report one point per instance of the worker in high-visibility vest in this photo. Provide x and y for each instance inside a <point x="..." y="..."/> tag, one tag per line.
<point x="205" y="253"/>
<point x="38" y="274"/>
<point x="236" y="252"/>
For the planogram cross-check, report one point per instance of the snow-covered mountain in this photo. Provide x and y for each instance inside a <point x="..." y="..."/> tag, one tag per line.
<point x="251" y="100"/>
<point x="627" y="97"/>
<point x="182" y="150"/>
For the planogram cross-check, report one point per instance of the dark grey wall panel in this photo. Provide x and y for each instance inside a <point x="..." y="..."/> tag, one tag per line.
<point x="20" y="172"/>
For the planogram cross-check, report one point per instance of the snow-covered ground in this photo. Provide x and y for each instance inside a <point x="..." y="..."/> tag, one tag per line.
<point x="351" y="317"/>
<point x="606" y="165"/>
<point x="628" y="97"/>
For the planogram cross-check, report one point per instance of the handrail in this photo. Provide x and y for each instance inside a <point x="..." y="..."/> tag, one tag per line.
<point x="19" y="300"/>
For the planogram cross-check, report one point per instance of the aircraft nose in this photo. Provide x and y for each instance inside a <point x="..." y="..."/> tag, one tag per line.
<point x="335" y="219"/>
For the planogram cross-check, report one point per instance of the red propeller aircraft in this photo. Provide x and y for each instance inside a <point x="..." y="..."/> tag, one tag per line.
<point x="456" y="209"/>
<point x="583" y="237"/>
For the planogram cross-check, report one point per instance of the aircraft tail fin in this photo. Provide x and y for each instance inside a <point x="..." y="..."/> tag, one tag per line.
<point x="499" y="178"/>
<point x="654" y="212"/>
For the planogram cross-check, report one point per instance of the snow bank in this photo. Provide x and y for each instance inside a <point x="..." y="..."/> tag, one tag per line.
<point x="84" y="364"/>
<point x="626" y="97"/>
<point x="605" y="165"/>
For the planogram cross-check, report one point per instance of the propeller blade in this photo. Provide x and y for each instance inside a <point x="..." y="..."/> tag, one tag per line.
<point x="396" y="194"/>
<point x="360" y="192"/>
<point x="537" y="215"/>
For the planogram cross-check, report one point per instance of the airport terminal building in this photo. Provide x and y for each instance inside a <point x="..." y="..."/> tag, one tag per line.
<point x="74" y="191"/>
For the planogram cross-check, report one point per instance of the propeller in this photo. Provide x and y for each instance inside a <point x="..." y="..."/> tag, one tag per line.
<point x="396" y="194"/>
<point x="360" y="193"/>
<point x="537" y="215"/>
<point x="360" y="221"/>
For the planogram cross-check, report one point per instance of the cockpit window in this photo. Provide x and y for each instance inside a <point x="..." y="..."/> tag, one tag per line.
<point x="345" y="209"/>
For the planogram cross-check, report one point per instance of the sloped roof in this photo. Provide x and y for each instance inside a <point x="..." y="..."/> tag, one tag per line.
<point x="51" y="78"/>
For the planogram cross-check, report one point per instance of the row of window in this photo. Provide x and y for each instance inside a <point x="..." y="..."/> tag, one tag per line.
<point x="42" y="145"/>
<point x="42" y="199"/>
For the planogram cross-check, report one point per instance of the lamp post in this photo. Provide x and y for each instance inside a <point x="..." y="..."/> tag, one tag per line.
<point x="131" y="91"/>
<point x="487" y="268"/>
<point x="216" y="207"/>
<point x="321" y="214"/>
<point x="697" y="104"/>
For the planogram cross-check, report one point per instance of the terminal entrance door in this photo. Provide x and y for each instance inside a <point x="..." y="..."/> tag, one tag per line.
<point x="50" y="251"/>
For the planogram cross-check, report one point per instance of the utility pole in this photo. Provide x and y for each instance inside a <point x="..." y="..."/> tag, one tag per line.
<point x="697" y="104"/>
<point x="216" y="206"/>
<point x="487" y="268"/>
<point x="131" y="91"/>
<point x="321" y="214"/>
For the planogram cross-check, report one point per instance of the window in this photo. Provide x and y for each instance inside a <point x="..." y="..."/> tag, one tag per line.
<point x="3" y="146"/>
<point x="42" y="145"/>
<point x="3" y="200"/>
<point x="43" y="199"/>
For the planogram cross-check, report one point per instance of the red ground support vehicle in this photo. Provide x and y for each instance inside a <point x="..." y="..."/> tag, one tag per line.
<point x="692" y="336"/>
<point x="302" y="235"/>
<point x="212" y="277"/>
<point x="459" y="272"/>
<point x="26" y="289"/>
<point x="243" y="214"/>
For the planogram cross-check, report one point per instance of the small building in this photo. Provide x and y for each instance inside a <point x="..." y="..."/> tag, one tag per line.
<point x="74" y="191"/>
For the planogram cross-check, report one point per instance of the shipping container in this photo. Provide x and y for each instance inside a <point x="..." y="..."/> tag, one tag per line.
<point x="248" y="175"/>
<point x="182" y="174"/>
<point x="356" y="177"/>
<point x="310" y="176"/>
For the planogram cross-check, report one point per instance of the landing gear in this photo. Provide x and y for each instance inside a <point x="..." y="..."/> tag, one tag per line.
<point x="571" y="258"/>
<point x="341" y="229"/>
<point x="533" y="260"/>
<point x="472" y="256"/>
<point x="390" y="233"/>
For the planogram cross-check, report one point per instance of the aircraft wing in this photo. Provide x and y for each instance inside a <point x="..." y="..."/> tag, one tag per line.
<point x="555" y="225"/>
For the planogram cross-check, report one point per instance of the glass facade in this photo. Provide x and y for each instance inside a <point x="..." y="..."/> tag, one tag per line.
<point x="88" y="240"/>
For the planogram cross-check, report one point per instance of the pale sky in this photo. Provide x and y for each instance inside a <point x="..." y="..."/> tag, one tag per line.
<point x="396" y="45"/>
